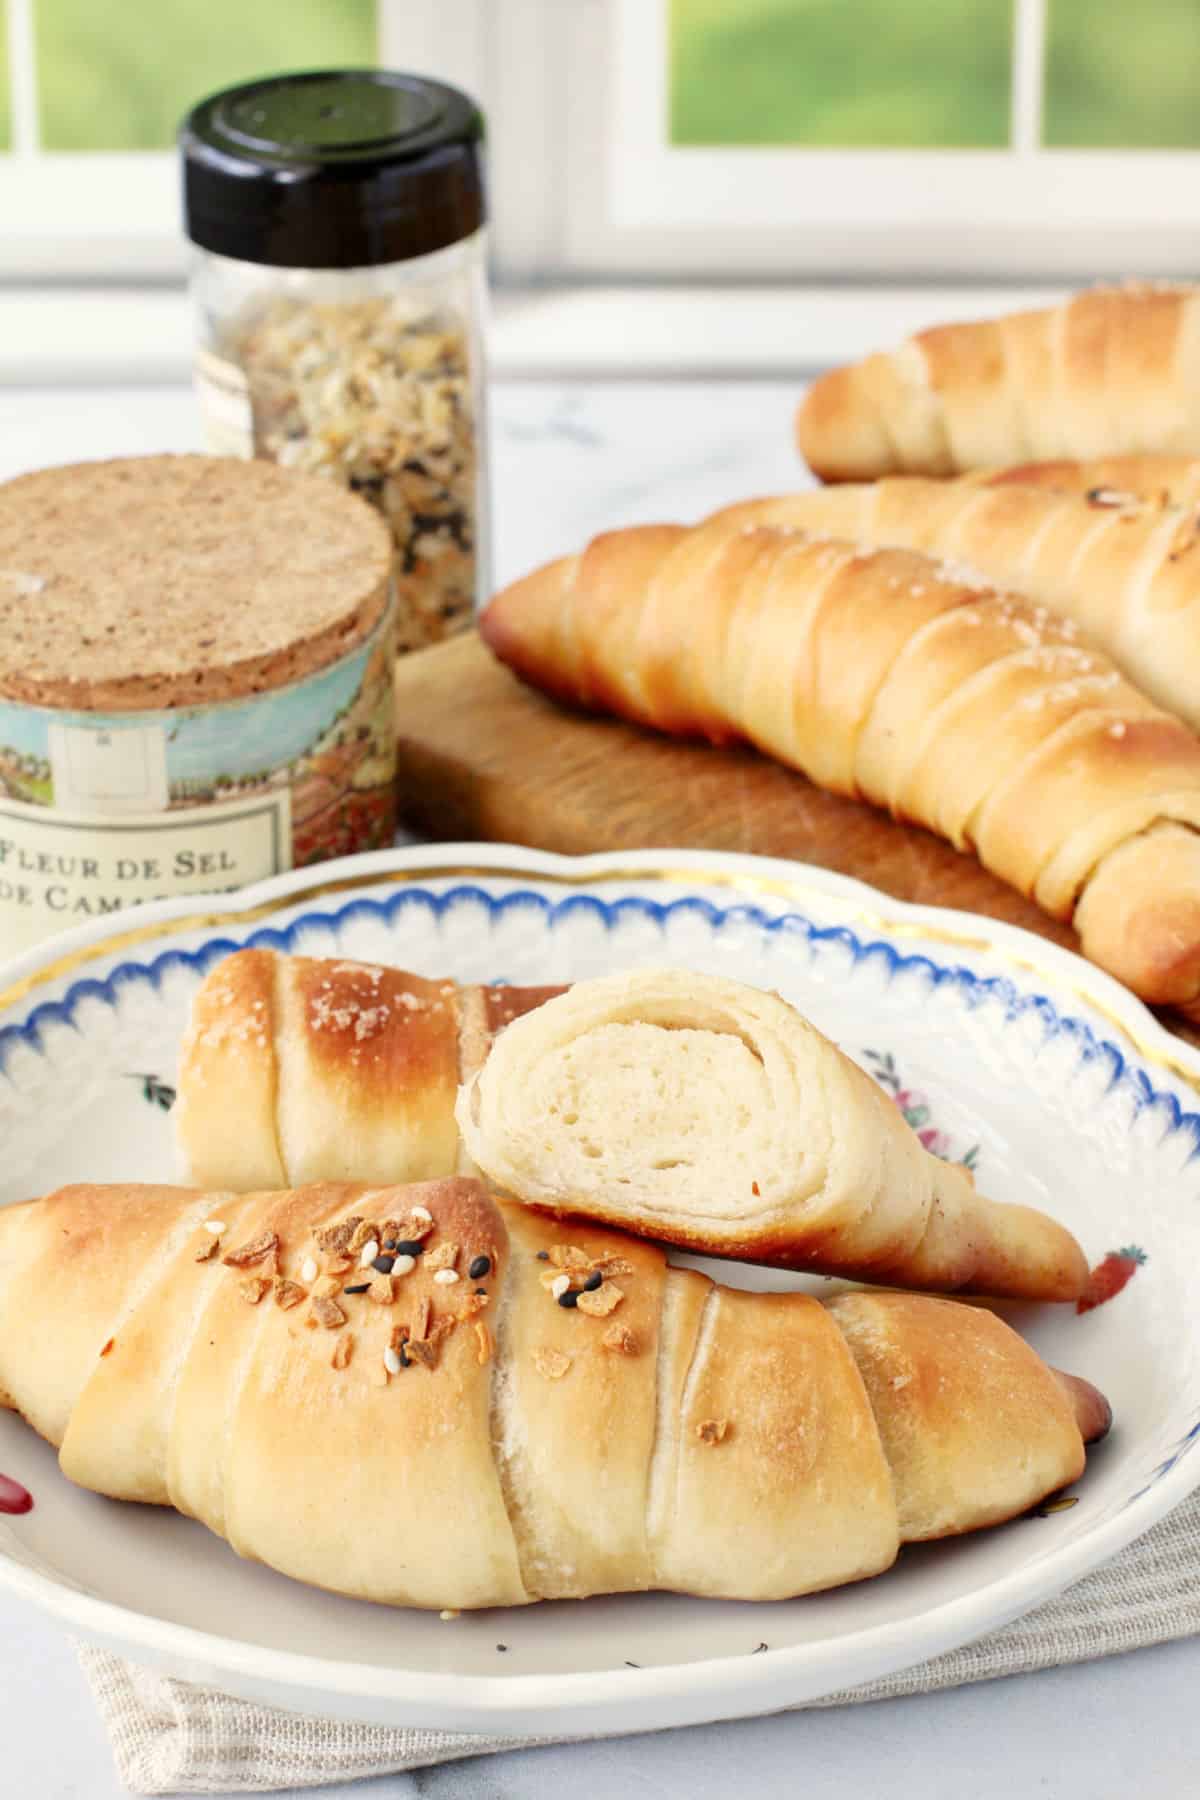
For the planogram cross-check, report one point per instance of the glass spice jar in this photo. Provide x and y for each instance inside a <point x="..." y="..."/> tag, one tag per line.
<point x="339" y="283"/>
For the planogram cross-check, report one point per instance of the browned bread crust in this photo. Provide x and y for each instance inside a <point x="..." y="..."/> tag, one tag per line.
<point x="1109" y="372"/>
<point x="443" y="1447"/>
<point x="298" y="1069"/>
<point x="991" y="719"/>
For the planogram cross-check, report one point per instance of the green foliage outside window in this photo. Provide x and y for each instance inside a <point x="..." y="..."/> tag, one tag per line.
<point x="929" y="73"/>
<point x="120" y="74"/>
<point x="840" y="73"/>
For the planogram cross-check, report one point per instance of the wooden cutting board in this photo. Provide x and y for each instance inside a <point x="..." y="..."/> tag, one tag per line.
<point x="481" y="756"/>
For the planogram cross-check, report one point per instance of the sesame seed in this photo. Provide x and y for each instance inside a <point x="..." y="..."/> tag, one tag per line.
<point x="370" y="1251"/>
<point x="391" y="1361"/>
<point x="480" y="1267"/>
<point x="450" y="1612"/>
<point x="384" y="1264"/>
<point x="593" y="1281"/>
<point x="308" y="1269"/>
<point x="446" y="1276"/>
<point x="410" y="1247"/>
<point x="404" y="1265"/>
<point x="559" y="1285"/>
<point x="359" y="1288"/>
<point x="570" y="1298"/>
<point x="422" y="1213"/>
<point x="216" y="1226"/>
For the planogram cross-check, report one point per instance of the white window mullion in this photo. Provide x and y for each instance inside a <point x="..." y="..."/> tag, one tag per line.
<point x="22" y="77"/>
<point x="533" y="131"/>
<point x="1028" y="74"/>
<point x="442" y="38"/>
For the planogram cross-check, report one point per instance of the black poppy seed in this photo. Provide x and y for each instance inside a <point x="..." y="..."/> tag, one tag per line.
<point x="389" y="1243"/>
<point x="593" y="1281"/>
<point x="360" y="1288"/>
<point x="410" y="1247"/>
<point x="481" y="1290"/>
<point x="570" y="1298"/>
<point x="502" y="1646"/>
<point x="543" y="1256"/>
<point x="405" y="1361"/>
<point x="481" y="1266"/>
<point x="383" y="1264"/>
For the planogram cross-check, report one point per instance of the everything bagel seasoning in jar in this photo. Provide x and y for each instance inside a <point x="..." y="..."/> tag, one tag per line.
<point x="338" y="275"/>
<point x="196" y="663"/>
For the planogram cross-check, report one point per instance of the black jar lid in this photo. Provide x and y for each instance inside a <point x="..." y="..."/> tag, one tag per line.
<point x="333" y="169"/>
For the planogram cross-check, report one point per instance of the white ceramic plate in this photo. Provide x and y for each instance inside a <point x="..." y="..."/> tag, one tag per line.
<point x="1060" y="1087"/>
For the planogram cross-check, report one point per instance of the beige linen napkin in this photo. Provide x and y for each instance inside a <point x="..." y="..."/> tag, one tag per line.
<point x="171" y="1738"/>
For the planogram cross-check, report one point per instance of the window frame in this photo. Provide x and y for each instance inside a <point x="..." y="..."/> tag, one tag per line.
<point x="638" y="206"/>
<point x="584" y="187"/>
<point x="116" y="216"/>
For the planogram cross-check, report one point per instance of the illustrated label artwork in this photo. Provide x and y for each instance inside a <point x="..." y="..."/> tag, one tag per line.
<point x="101" y="811"/>
<point x="118" y="769"/>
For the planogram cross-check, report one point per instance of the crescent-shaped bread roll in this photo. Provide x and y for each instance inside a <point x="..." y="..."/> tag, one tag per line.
<point x="903" y="682"/>
<point x="450" y="1439"/>
<point x="713" y="1116"/>
<point x="296" y="1069"/>
<point x="1109" y="372"/>
<point x="931" y="1230"/>
<point x="1125" y="572"/>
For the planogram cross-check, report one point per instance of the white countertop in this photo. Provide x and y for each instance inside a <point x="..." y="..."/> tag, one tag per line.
<point x="571" y="459"/>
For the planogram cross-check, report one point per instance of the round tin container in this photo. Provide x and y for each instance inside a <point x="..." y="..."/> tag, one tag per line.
<point x="195" y="683"/>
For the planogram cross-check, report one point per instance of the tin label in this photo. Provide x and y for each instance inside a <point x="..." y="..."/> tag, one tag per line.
<point x="98" y="768"/>
<point x="100" y="811"/>
<point x="58" y="870"/>
<point x="226" y="412"/>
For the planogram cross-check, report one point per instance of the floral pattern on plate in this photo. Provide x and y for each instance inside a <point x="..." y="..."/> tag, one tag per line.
<point x="917" y="1109"/>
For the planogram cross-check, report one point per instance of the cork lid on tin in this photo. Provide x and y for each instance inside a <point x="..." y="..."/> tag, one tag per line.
<point x="166" y="581"/>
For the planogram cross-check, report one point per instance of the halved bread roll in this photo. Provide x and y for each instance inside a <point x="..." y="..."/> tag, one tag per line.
<point x="713" y="1116"/>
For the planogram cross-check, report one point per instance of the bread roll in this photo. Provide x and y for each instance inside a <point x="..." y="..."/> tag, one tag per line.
<point x="1109" y="372"/>
<point x="371" y="1092"/>
<point x="297" y="1069"/>
<point x="713" y="1116"/>
<point x="474" y="1442"/>
<point x="1125" y="573"/>
<point x="908" y="683"/>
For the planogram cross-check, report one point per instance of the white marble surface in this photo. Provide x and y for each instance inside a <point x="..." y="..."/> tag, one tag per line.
<point x="92" y="337"/>
<point x="571" y="459"/>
